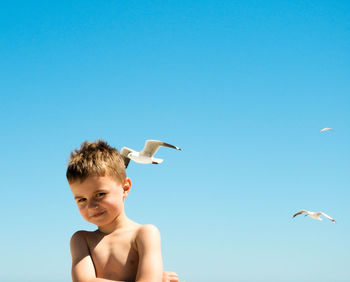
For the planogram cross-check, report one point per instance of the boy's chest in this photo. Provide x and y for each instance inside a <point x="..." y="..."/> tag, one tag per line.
<point x="115" y="258"/>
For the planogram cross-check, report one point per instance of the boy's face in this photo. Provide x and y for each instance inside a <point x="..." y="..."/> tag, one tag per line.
<point x="100" y="199"/>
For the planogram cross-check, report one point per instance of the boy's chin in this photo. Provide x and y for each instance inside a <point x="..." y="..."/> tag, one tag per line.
<point x="98" y="220"/>
<point x="104" y="219"/>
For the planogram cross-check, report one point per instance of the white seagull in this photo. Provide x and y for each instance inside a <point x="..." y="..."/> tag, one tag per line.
<point x="326" y="129"/>
<point x="314" y="215"/>
<point x="146" y="155"/>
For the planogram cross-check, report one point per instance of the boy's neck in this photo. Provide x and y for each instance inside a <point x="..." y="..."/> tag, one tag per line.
<point x="118" y="223"/>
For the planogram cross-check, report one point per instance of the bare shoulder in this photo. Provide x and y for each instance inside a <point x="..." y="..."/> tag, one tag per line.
<point x="82" y="239"/>
<point x="78" y="236"/>
<point x="148" y="230"/>
<point x="78" y="241"/>
<point x="86" y="238"/>
<point x="147" y="235"/>
<point x="82" y="235"/>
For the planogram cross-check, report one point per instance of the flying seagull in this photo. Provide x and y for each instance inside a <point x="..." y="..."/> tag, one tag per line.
<point x="146" y="155"/>
<point x="326" y="129"/>
<point x="314" y="215"/>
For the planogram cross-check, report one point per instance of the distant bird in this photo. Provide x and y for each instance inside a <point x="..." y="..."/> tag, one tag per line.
<point x="326" y="129"/>
<point x="147" y="153"/>
<point x="314" y="215"/>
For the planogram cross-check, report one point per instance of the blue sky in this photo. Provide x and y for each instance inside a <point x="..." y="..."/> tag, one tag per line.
<point x="243" y="87"/>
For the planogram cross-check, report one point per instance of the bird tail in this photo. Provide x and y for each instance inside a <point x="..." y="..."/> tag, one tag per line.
<point x="156" y="161"/>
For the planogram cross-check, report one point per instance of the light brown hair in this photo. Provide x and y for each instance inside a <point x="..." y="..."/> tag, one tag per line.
<point x="95" y="159"/>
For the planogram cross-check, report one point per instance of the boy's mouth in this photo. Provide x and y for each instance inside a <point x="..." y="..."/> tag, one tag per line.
<point x="97" y="214"/>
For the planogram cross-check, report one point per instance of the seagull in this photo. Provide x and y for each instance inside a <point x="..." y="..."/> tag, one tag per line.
<point x="326" y="129"/>
<point x="146" y="155"/>
<point x="314" y="215"/>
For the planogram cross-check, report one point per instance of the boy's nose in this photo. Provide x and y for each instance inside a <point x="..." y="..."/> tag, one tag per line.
<point x="92" y="204"/>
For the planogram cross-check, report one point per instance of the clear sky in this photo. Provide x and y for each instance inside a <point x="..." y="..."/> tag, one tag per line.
<point x="243" y="87"/>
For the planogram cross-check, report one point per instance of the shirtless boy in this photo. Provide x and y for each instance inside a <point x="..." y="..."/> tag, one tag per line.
<point x="120" y="249"/>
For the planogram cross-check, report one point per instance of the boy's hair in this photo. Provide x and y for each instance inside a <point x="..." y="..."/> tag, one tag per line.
<point x="95" y="159"/>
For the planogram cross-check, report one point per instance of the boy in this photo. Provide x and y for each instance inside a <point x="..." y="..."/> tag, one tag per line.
<point x="120" y="249"/>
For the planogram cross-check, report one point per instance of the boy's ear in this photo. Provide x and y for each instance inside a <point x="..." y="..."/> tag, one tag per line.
<point x="126" y="187"/>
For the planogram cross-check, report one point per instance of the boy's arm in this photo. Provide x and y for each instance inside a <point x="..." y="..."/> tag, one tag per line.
<point x="83" y="269"/>
<point x="150" y="266"/>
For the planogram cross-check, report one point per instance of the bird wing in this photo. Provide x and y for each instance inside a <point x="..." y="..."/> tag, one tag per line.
<point x="326" y="129"/>
<point x="300" y="212"/>
<point x="124" y="153"/>
<point x="152" y="146"/>
<point x="326" y="215"/>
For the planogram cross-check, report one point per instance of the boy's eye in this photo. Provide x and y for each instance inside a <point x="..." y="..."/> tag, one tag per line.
<point x="99" y="195"/>
<point x="81" y="200"/>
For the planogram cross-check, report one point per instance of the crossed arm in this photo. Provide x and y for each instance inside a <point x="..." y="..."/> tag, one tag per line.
<point x="150" y="260"/>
